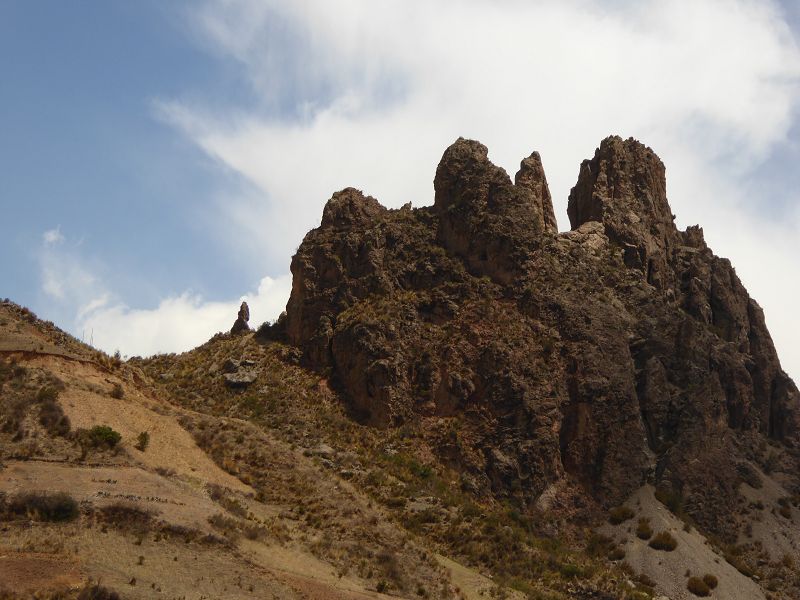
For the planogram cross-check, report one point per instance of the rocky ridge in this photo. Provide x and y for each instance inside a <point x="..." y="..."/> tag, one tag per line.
<point x="618" y="353"/>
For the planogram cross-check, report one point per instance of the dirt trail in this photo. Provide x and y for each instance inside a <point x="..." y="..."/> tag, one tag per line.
<point x="31" y="571"/>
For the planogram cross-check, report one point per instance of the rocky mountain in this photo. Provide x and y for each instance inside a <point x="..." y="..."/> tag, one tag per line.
<point x="459" y="401"/>
<point x="618" y="353"/>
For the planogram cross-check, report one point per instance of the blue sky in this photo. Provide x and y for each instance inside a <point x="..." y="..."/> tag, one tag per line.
<point x="82" y="148"/>
<point x="161" y="160"/>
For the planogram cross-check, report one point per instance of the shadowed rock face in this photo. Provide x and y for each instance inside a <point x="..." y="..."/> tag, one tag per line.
<point x="621" y="351"/>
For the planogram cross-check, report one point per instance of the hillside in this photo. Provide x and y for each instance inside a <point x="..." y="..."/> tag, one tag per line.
<point x="459" y="402"/>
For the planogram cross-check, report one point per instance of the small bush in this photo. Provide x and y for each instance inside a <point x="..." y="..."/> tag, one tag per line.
<point x="255" y="532"/>
<point x="53" y="419"/>
<point x="664" y="541"/>
<point x="570" y="571"/>
<point x="97" y="592"/>
<point x="39" y="506"/>
<point x="142" y="441"/>
<point x="620" y="514"/>
<point x="646" y="580"/>
<point x="710" y="580"/>
<point x="117" y="391"/>
<point x="643" y="529"/>
<point x="599" y="544"/>
<point x="616" y="554"/>
<point x="47" y="394"/>
<point x="698" y="587"/>
<point x="395" y="502"/>
<point x="100" y="436"/>
<point x="126" y="516"/>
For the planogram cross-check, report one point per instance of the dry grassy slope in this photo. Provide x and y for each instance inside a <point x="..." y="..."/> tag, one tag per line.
<point x="536" y="554"/>
<point x="398" y="469"/>
<point x="253" y="548"/>
<point x="305" y="532"/>
<point x="308" y="503"/>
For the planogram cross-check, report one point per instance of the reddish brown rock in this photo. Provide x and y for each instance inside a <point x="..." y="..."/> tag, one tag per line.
<point x="620" y="352"/>
<point x="240" y="325"/>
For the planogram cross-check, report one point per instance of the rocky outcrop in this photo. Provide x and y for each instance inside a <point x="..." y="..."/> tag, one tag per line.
<point x="240" y="325"/>
<point x="490" y="223"/>
<point x="620" y="352"/>
<point x="239" y="374"/>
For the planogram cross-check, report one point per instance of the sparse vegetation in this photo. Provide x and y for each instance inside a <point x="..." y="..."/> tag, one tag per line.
<point x="53" y="419"/>
<point x="38" y="506"/>
<point x="643" y="529"/>
<point x="99" y="436"/>
<point x="664" y="541"/>
<point x="620" y="514"/>
<point x="142" y="441"/>
<point x="671" y="499"/>
<point x="698" y="587"/>
<point x="117" y="391"/>
<point x="710" y="580"/>
<point x="126" y="516"/>
<point x="97" y="592"/>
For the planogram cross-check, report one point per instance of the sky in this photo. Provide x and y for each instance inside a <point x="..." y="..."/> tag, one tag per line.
<point x="161" y="161"/>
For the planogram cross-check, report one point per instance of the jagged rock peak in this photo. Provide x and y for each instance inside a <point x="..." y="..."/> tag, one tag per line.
<point x="624" y="188"/>
<point x="485" y="220"/>
<point x="240" y="325"/>
<point x="466" y="175"/>
<point x="531" y="176"/>
<point x="351" y="207"/>
<point x="466" y="178"/>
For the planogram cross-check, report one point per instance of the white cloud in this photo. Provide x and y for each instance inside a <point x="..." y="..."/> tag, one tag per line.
<point x="179" y="323"/>
<point x="79" y="298"/>
<point x="377" y="90"/>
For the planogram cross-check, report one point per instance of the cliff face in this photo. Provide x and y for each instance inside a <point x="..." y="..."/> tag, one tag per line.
<point x="620" y="352"/>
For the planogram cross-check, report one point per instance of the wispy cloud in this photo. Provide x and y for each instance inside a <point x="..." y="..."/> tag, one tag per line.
<point x="51" y="237"/>
<point x="369" y="94"/>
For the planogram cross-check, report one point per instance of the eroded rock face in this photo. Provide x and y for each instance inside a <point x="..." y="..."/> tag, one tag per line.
<point x="619" y="352"/>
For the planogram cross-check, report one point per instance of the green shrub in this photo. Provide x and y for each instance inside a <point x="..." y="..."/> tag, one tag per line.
<point x="643" y="529"/>
<point x="99" y="436"/>
<point x="664" y="541"/>
<point x="103" y="435"/>
<point x="710" y="580"/>
<point x="698" y="587"/>
<point x="39" y="506"/>
<point x="117" y="391"/>
<point x="620" y="514"/>
<point x="142" y="441"/>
